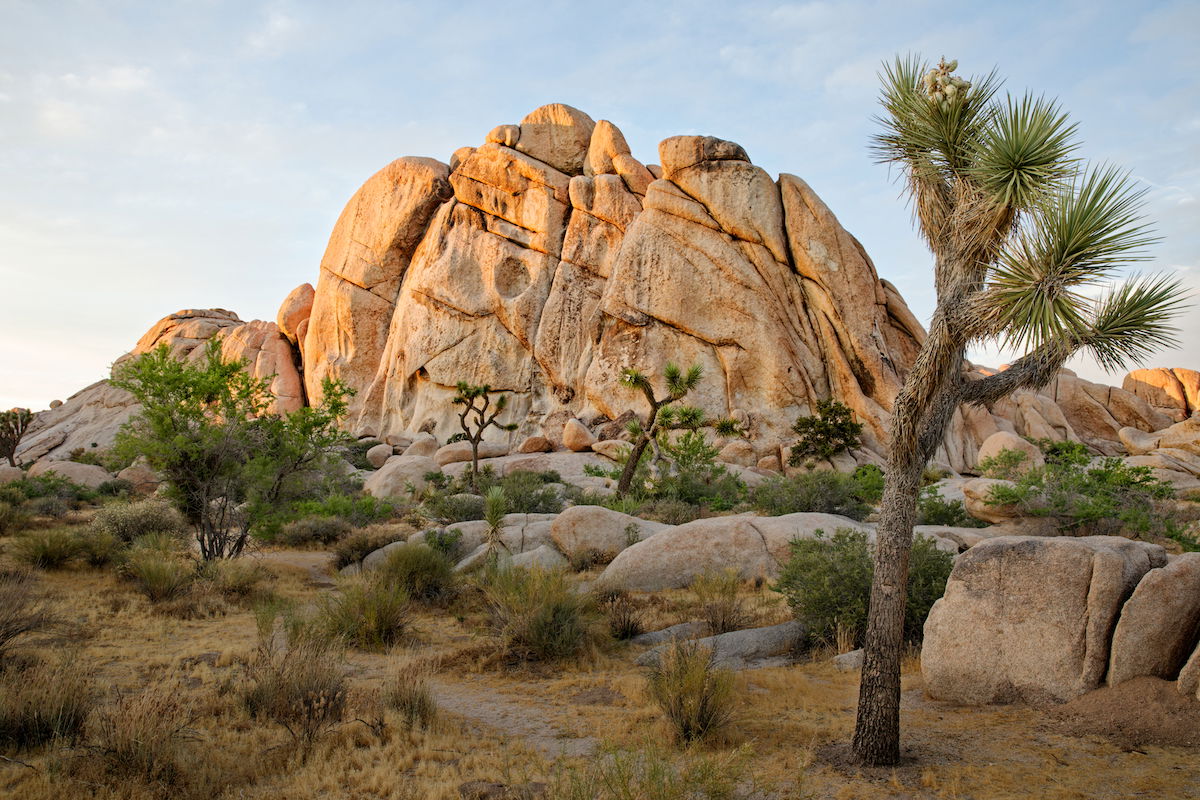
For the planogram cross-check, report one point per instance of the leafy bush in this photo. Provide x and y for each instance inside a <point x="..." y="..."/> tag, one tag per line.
<point x="368" y="611"/>
<point x="933" y="509"/>
<point x="360" y="544"/>
<point x="159" y="576"/>
<point x="422" y="572"/>
<point x="526" y="492"/>
<point x="869" y="479"/>
<point x="697" y="478"/>
<point x="1005" y="465"/>
<point x="718" y="602"/>
<point x="356" y="452"/>
<point x="322" y="531"/>
<point x="46" y="549"/>
<point x="358" y="511"/>
<point x="99" y="549"/>
<point x="669" y="511"/>
<point x="446" y="542"/>
<point x="42" y="702"/>
<point x="48" y="506"/>
<point x="53" y="485"/>
<point x="117" y="487"/>
<point x="449" y="508"/>
<point x="296" y="680"/>
<point x="539" y="614"/>
<point x="827" y="583"/>
<point x="831" y="431"/>
<point x="822" y="491"/>
<point x="1108" y="499"/>
<point x="22" y="609"/>
<point x="695" y="695"/>
<point x="129" y="521"/>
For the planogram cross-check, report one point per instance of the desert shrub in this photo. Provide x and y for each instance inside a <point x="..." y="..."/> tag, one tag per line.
<point x="649" y="772"/>
<point x="631" y="504"/>
<point x="528" y="493"/>
<point x="358" y="511"/>
<point x="693" y="693"/>
<point x="670" y="511"/>
<point x="157" y="575"/>
<point x="98" y="548"/>
<point x="827" y="583"/>
<point x="869" y="480"/>
<point x="408" y="692"/>
<point x="238" y="579"/>
<point x="359" y="544"/>
<point x="1108" y="498"/>
<point x="822" y="491"/>
<point x="539" y="614"/>
<point x="117" y="487"/>
<point x="296" y="680"/>
<point x="623" y="614"/>
<point x="696" y="477"/>
<point x="449" y="508"/>
<point x="718" y="602"/>
<point x="1005" y="465"/>
<point x="51" y="548"/>
<point x="42" y="701"/>
<point x="140" y="735"/>
<point x="22" y="609"/>
<point x="12" y="518"/>
<point x="54" y="485"/>
<point x="829" y="432"/>
<point x="422" y="572"/>
<point x="48" y="506"/>
<point x="129" y="521"/>
<point x="368" y="611"/>
<point x="446" y="542"/>
<point x="356" y="452"/>
<point x="322" y="531"/>
<point x="933" y="509"/>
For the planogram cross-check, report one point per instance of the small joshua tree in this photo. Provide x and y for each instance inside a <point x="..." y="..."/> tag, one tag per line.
<point x="664" y="416"/>
<point x="13" y="425"/>
<point x="476" y="401"/>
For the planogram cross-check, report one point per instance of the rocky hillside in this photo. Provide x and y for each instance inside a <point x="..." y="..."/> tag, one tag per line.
<point x="548" y="259"/>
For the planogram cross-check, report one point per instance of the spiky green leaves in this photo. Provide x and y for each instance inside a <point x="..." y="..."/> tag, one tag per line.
<point x="1024" y="153"/>
<point x="1075" y="240"/>
<point x="680" y="382"/>
<point x="1134" y="320"/>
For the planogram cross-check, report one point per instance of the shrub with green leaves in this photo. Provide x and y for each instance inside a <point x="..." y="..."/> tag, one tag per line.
<point x="1107" y="498"/>
<point x="869" y="479"/>
<point x="129" y="521"/>
<point x="424" y="573"/>
<point x="933" y="509"/>
<point x="539" y="614"/>
<point x="357" y="510"/>
<point x="446" y="542"/>
<point x="827" y="583"/>
<point x="1006" y="465"/>
<point x="353" y="548"/>
<point x="12" y="518"/>
<point x="823" y="491"/>
<point x="51" y="548"/>
<point x="322" y="531"/>
<point x="829" y="432"/>
<point x="695" y="695"/>
<point x="53" y="485"/>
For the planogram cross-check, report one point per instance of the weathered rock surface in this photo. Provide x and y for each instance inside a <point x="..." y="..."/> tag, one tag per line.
<point x="461" y="451"/>
<point x="1000" y="441"/>
<point x="756" y="547"/>
<point x="745" y="649"/>
<point x="398" y="473"/>
<point x="684" y="630"/>
<point x="519" y="533"/>
<point x="976" y="493"/>
<point x="90" y="416"/>
<point x="88" y="475"/>
<point x="295" y="311"/>
<point x="1030" y="619"/>
<point x="543" y="557"/>
<point x="378" y="455"/>
<point x="577" y="437"/>
<point x="583" y="530"/>
<point x="423" y="445"/>
<point x="9" y="474"/>
<point x="1174" y="392"/>
<point x="1159" y="625"/>
<point x="144" y="479"/>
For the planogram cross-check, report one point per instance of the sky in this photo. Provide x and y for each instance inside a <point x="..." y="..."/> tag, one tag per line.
<point x="156" y="156"/>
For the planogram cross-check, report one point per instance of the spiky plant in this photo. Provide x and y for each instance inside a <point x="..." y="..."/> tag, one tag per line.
<point x="13" y="425"/>
<point x="476" y="401"/>
<point x="495" y="507"/>
<point x="1023" y="235"/>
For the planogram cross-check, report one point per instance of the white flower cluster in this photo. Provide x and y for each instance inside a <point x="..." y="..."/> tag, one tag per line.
<point x="942" y="87"/>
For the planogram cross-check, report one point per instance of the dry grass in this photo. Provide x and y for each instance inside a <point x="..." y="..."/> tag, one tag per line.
<point x="508" y="722"/>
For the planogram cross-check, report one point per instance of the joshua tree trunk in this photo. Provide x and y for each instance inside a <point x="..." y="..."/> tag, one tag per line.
<point x="635" y="456"/>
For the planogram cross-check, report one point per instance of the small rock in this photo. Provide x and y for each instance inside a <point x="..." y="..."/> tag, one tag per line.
<point x="684" y="630"/>
<point x="424" y="445"/>
<point x="576" y="437"/>
<point x="612" y="448"/>
<point x="378" y="455"/>
<point x="535" y="444"/>
<point x="738" y="452"/>
<point x="848" y="662"/>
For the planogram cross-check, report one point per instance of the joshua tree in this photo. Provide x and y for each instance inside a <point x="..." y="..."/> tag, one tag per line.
<point x="477" y="400"/>
<point x="13" y="425"/>
<point x="664" y="415"/>
<point x="1020" y="233"/>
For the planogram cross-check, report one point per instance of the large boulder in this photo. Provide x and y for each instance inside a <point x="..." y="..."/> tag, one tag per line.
<point x="1030" y="619"/>
<point x="558" y="135"/>
<point x="379" y="454"/>
<point x="456" y="452"/>
<point x="1174" y="392"/>
<point x="595" y="530"/>
<point x="1160" y="624"/>
<point x="398" y="474"/>
<point x="755" y="547"/>
<point x="577" y="437"/>
<point x="1000" y="441"/>
<point x="143" y="479"/>
<point x="9" y="474"/>
<point x="88" y="475"/>
<point x="295" y="311"/>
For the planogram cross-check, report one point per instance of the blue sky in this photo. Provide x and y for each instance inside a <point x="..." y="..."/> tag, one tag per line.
<point x="166" y="155"/>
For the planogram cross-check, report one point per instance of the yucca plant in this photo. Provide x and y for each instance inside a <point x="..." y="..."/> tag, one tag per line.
<point x="1023" y="235"/>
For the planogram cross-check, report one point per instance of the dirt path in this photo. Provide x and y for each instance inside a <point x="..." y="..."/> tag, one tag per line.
<point x="317" y="564"/>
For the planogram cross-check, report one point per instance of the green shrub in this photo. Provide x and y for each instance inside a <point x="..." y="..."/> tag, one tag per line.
<point x="22" y="609"/>
<point x="527" y="492"/>
<point x="356" y="453"/>
<point x="697" y="478"/>
<point x="46" y="549"/>
<point x="49" y="506"/>
<point x="822" y="491"/>
<point x="450" y="508"/>
<point x="99" y="549"/>
<point x="159" y="576"/>
<point x="1006" y="465"/>
<point x="827" y="583"/>
<point x="360" y="544"/>
<point x="117" y="487"/>
<point x="368" y="611"/>
<point x="670" y="511"/>
<point x="42" y="702"/>
<point x="539" y="614"/>
<point x="53" y="485"/>
<point x="422" y="572"/>
<point x="694" y="694"/>
<point x="718" y="602"/>
<point x="359" y="511"/>
<point x="831" y="431"/>
<point x="933" y="509"/>
<point x="129" y="521"/>
<point x="869" y="480"/>
<point x="446" y="542"/>
<point x="322" y="531"/>
<point x="12" y="518"/>
<point x="1109" y="498"/>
